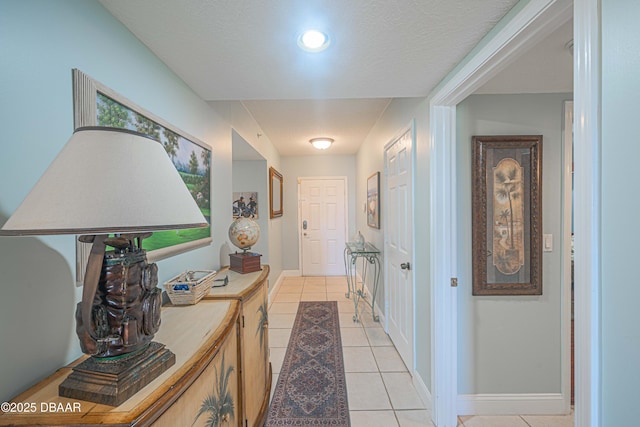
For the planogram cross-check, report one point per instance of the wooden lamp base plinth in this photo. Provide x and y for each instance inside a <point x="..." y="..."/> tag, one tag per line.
<point x="113" y="381"/>
<point x="245" y="262"/>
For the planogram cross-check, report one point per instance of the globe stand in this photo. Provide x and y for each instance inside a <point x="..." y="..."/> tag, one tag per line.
<point x="244" y="262"/>
<point x="244" y="233"/>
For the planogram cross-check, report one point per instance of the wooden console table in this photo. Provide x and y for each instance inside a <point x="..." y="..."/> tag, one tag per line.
<point x="216" y="360"/>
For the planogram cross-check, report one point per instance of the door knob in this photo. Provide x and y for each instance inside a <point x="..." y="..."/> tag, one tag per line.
<point x="405" y="266"/>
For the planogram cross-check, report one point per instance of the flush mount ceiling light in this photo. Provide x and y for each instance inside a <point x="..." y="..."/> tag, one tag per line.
<point x="321" y="143"/>
<point x="313" y="41"/>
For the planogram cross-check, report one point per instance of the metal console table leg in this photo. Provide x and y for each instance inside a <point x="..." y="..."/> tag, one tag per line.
<point x="369" y="254"/>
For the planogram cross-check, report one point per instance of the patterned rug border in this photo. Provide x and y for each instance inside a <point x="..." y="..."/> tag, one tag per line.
<point x="302" y="367"/>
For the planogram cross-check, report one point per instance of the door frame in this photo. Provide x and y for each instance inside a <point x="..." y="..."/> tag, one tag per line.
<point x="346" y="211"/>
<point x="567" y="210"/>
<point x="411" y="127"/>
<point x="526" y="27"/>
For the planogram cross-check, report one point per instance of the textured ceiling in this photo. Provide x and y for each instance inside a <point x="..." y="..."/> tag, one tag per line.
<point x="245" y="50"/>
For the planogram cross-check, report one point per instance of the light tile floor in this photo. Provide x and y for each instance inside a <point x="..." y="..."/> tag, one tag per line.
<point x="379" y="385"/>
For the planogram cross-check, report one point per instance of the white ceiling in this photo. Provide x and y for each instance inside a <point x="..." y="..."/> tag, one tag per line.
<point x="245" y="50"/>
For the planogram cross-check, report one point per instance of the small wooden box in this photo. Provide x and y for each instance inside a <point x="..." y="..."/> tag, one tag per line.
<point x="246" y="262"/>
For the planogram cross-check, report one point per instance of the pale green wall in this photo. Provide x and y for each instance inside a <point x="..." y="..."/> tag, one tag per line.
<point x="398" y="116"/>
<point x="252" y="175"/>
<point x="620" y="206"/>
<point x="41" y="42"/>
<point x="511" y="344"/>
<point x="246" y="128"/>
<point x="310" y="166"/>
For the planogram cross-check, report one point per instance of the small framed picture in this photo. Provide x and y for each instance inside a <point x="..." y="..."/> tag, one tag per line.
<point x="245" y="204"/>
<point x="373" y="200"/>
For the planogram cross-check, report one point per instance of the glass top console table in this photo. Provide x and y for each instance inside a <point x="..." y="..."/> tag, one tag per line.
<point x="370" y="257"/>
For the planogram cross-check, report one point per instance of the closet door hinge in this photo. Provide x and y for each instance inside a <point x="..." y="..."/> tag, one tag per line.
<point x="243" y="320"/>
<point x="454" y="282"/>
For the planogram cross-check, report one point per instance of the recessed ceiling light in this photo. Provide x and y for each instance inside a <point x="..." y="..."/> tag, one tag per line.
<point x="321" y="143"/>
<point x="313" y="41"/>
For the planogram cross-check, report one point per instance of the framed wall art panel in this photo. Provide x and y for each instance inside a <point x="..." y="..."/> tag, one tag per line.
<point x="94" y="104"/>
<point x="373" y="200"/>
<point x="506" y="212"/>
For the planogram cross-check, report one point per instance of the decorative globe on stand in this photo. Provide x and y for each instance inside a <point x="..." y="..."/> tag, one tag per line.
<point x="244" y="233"/>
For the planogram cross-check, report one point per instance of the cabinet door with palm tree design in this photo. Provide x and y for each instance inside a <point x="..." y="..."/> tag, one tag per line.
<point x="255" y="353"/>
<point x="213" y="399"/>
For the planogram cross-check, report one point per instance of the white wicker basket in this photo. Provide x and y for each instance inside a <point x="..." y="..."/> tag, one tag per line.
<point x="189" y="287"/>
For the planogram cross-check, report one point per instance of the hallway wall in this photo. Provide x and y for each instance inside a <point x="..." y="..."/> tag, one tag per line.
<point x="310" y="166"/>
<point x="620" y="229"/>
<point x="251" y="175"/>
<point x="511" y="344"/>
<point x="42" y="41"/>
<point x="398" y="116"/>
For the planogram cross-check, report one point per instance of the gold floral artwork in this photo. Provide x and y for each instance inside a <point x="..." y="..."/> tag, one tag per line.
<point x="508" y="216"/>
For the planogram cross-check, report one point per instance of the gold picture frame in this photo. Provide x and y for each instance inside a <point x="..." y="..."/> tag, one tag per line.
<point x="506" y="211"/>
<point x="275" y="193"/>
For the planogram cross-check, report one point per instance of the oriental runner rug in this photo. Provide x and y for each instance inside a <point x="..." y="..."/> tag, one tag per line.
<point x="311" y="389"/>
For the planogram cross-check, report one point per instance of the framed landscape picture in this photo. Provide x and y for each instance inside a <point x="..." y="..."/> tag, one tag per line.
<point x="506" y="212"/>
<point x="97" y="105"/>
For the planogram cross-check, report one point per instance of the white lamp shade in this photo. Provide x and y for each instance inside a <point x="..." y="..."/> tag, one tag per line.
<point x="107" y="181"/>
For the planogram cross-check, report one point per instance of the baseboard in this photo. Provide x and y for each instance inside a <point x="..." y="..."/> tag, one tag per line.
<point x="378" y="311"/>
<point x="291" y="273"/>
<point x="422" y="390"/>
<point x="276" y="286"/>
<point x="511" y="404"/>
<point x="273" y="290"/>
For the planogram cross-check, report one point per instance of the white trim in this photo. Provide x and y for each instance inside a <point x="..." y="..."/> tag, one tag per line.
<point x="511" y="404"/>
<point x="588" y="205"/>
<point x="567" y="210"/>
<point x="422" y="389"/>
<point x="346" y="211"/>
<point x="276" y="286"/>
<point x="444" y="301"/>
<point x="536" y="19"/>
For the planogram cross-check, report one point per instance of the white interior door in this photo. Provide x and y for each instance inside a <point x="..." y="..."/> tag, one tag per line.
<point x="322" y="225"/>
<point x="399" y="245"/>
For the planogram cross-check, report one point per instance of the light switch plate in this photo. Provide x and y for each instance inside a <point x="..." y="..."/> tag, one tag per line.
<point x="547" y="242"/>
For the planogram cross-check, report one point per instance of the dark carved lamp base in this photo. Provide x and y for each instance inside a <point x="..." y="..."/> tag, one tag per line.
<point x="111" y="381"/>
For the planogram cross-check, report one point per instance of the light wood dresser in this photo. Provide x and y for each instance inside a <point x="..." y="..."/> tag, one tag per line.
<point x="221" y="377"/>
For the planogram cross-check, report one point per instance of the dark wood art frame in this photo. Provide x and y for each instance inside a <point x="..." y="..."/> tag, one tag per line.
<point x="507" y="215"/>
<point x="275" y="193"/>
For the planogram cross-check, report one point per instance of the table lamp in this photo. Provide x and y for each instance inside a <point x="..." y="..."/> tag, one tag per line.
<point x="112" y="187"/>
